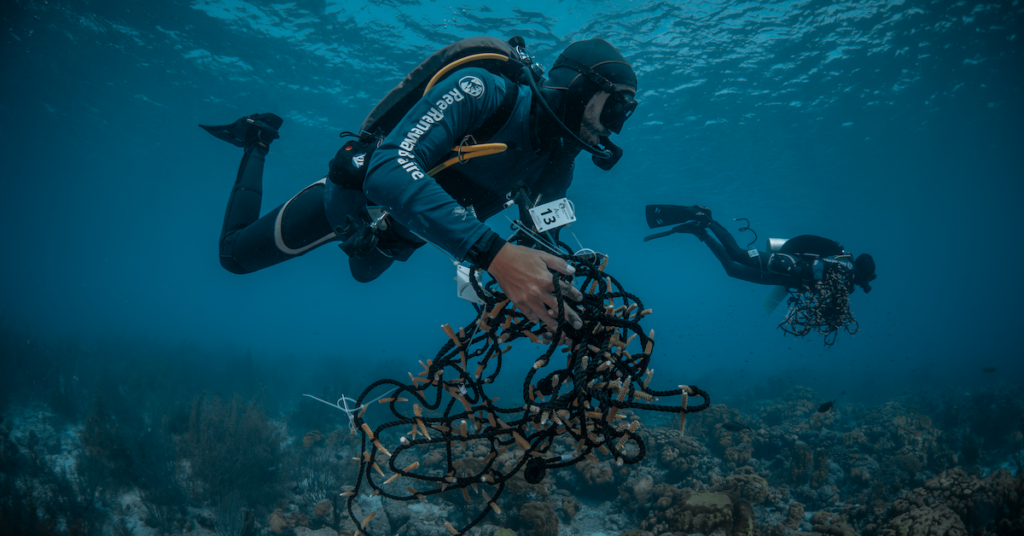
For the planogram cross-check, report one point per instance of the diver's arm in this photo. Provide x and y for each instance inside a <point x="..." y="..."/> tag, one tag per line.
<point x="524" y="273"/>
<point x="397" y="176"/>
<point x="397" y="180"/>
<point x="525" y="276"/>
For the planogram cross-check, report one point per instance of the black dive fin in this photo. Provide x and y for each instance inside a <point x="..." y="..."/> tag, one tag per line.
<point x="686" y="228"/>
<point x="662" y="215"/>
<point x="648" y="238"/>
<point x="248" y="130"/>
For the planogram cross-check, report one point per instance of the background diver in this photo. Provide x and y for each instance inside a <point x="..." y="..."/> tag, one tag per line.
<point x="817" y="273"/>
<point x="590" y="92"/>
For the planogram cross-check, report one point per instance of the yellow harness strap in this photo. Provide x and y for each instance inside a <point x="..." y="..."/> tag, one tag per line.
<point x="464" y="153"/>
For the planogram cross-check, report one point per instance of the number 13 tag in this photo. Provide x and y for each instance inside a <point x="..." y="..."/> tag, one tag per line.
<point x="554" y="214"/>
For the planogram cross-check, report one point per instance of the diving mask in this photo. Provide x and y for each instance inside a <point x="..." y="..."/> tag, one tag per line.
<point x="617" y="109"/>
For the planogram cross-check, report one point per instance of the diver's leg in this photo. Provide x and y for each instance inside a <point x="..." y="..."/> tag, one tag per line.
<point x="243" y="205"/>
<point x="734" y="250"/>
<point x="249" y="243"/>
<point x="747" y="271"/>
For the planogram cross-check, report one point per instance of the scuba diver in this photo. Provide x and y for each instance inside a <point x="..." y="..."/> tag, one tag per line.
<point x="391" y="190"/>
<point x="817" y="273"/>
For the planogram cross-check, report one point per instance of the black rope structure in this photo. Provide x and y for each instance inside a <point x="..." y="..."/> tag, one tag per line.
<point x="823" y="307"/>
<point x="572" y="391"/>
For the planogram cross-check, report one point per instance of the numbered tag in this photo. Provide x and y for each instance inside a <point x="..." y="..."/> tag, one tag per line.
<point x="464" y="288"/>
<point x="552" y="215"/>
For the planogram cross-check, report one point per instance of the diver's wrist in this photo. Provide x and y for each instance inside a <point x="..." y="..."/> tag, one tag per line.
<point x="483" y="252"/>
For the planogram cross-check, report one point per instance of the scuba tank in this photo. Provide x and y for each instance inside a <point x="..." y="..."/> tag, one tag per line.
<point x="774" y="245"/>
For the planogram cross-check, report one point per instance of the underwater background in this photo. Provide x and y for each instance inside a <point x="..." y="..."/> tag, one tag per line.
<point x="146" y="390"/>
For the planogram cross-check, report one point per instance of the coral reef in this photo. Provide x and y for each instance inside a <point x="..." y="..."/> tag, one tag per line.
<point x="794" y="515"/>
<point x="744" y="522"/>
<point x="680" y="454"/>
<point x="828" y="523"/>
<point x="595" y="474"/>
<point x="538" y="519"/>
<point x="703" y="512"/>
<point x="923" y="464"/>
<point x="924" y="521"/>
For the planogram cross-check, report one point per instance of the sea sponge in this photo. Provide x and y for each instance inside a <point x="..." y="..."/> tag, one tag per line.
<point x="794" y="515"/>
<point x="595" y="473"/>
<point x="738" y="455"/>
<point x="681" y="454"/>
<point x="703" y="512"/>
<point x="935" y="521"/>
<point x="820" y="473"/>
<point x="570" y="506"/>
<point x="827" y="523"/>
<point x="433" y="457"/>
<point x="794" y="409"/>
<point x="860" y="475"/>
<point x="642" y="488"/>
<point x="538" y="519"/>
<point x="517" y="485"/>
<point x="743" y="522"/>
<point x="665" y="495"/>
<point x="800" y="464"/>
<point x="744" y="485"/>
<point x="323" y="510"/>
<point x="311" y="438"/>
<point x="707" y="424"/>
<point x="853" y="438"/>
<point x="278" y="523"/>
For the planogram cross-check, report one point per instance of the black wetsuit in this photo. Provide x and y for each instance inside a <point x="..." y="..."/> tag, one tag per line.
<point x="448" y="210"/>
<point x="800" y="260"/>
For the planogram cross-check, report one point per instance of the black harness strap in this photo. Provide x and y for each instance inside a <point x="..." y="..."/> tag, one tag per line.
<point x="501" y="116"/>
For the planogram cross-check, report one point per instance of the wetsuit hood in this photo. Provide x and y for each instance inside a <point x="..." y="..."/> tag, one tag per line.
<point x="546" y="134"/>
<point x="864" y="271"/>
<point x="575" y="89"/>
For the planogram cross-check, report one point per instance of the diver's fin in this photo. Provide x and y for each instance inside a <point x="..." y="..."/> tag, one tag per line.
<point x="774" y="298"/>
<point x="662" y="215"/>
<point x="248" y="130"/>
<point x="690" y="227"/>
<point x="648" y="238"/>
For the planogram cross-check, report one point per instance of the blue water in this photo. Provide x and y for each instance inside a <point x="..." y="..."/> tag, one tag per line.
<point x="892" y="127"/>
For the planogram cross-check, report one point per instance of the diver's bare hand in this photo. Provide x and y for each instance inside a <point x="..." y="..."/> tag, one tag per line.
<point x="524" y="276"/>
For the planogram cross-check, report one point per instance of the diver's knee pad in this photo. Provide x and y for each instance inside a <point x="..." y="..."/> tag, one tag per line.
<point x="302" y="223"/>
